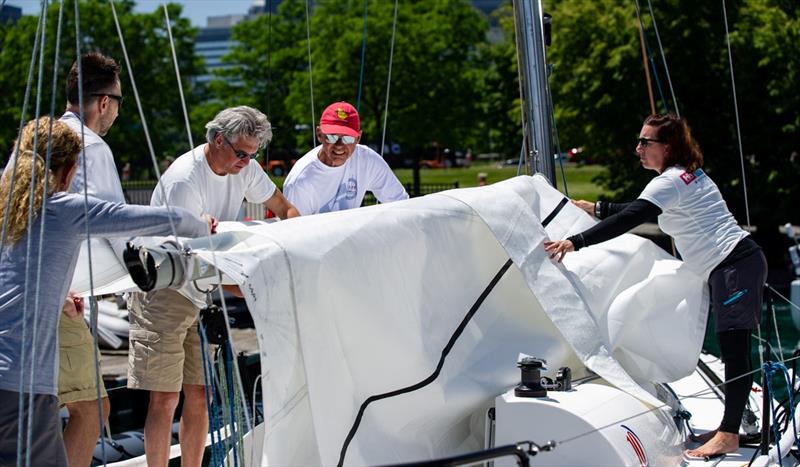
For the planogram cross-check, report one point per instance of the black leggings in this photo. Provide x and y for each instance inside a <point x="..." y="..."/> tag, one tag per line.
<point x="735" y="349"/>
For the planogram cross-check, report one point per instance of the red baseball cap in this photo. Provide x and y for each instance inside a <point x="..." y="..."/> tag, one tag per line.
<point x="340" y="118"/>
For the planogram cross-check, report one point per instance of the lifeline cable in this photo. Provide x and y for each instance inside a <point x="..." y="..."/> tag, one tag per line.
<point x="447" y="348"/>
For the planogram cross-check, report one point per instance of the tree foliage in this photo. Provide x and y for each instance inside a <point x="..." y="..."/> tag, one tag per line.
<point x="600" y="92"/>
<point x="149" y="51"/>
<point x="433" y="89"/>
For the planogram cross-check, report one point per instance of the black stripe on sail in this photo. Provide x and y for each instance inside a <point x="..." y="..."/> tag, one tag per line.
<point x="445" y="351"/>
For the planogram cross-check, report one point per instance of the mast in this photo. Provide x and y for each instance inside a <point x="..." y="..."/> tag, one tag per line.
<point x="534" y="90"/>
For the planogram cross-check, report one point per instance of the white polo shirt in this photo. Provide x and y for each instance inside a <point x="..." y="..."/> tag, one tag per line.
<point x="695" y="215"/>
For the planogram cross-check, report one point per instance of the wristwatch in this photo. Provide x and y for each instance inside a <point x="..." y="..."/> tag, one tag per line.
<point x="597" y="209"/>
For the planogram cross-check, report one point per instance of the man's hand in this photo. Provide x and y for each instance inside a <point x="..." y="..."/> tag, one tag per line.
<point x="281" y="206"/>
<point x="73" y="306"/>
<point x="587" y="206"/>
<point x="212" y="222"/>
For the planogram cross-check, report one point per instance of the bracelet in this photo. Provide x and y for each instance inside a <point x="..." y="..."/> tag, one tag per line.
<point x="597" y="209"/>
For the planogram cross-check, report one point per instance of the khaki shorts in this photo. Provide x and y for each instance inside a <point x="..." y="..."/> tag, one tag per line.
<point x="77" y="379"/>
<point x="164" y="346"/>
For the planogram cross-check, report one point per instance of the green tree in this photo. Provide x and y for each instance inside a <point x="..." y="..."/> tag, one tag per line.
<point x="149" y="50"/>
<point x="433" y="92"/>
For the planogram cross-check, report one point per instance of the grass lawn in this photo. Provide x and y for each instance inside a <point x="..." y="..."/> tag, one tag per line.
<point x="579" y="178"/>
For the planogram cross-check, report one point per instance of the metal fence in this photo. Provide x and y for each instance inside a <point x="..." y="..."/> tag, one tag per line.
<point x="140" y="192"/>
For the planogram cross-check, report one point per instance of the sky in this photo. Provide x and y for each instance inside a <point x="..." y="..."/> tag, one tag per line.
<point x="196" y="10"/>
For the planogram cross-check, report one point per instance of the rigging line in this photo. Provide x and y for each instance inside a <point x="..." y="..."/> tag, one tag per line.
<point x="310" y="78"/>
<point x="268" y="87"/>
<point x="363" y="54"/>
<point x="180" y="85"/>
<point x="447" y="348"/>
<point x="664" y="59"/>
<point x="650" y="58"/>
<point x="29" y="244"/>
<point x="45" y="182"/>
<point x="796" y="307"/>
<point x="557" y="140"/>
<point x="25" y="102"/>
<point x="736" y="112"/>
<point x="702" y="392"/>
<point x="143" y="119"/>
<point x="93" y="311"/>
<point x="389" y="79"/>
<point x="191" y="145"/>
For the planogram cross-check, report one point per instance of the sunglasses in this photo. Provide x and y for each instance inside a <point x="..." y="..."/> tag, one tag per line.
<point x="239" y="153"/>
<point x="110" y="96"/>
<point x="346" y="139"/>
<point x="644" y="142"/>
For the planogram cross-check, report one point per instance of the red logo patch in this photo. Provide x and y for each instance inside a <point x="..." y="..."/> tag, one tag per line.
<point x="688" y="178"/>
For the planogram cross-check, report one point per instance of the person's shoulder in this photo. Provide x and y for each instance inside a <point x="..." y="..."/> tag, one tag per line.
<point x="186" y="167"/>
<point x="367" y="152"/>
<point x="90" y="137"/>
<point x="299" y="169"/>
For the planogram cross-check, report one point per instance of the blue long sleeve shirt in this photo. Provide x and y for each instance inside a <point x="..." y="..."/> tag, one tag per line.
<point x="65" y="228"/>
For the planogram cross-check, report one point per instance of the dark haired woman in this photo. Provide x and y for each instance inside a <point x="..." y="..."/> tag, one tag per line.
<point x="690" y="208"/>
<point x="37" y="310"/>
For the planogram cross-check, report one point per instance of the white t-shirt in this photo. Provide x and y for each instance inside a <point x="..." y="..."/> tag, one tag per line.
<point x="191" y="184"/>
<point x="695" y="215"/>
<point x="102" y="179"/>
<point x="314" y="187"/>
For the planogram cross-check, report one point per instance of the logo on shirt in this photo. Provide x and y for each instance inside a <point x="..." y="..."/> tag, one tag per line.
<point x="351" y="188"/>
<point x="690" y="177"/>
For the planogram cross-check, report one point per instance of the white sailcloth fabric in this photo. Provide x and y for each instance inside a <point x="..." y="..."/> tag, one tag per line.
<point x="358" y="303"/>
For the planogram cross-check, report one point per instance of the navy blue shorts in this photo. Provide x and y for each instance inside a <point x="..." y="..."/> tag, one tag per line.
<point x="737" y="292"/>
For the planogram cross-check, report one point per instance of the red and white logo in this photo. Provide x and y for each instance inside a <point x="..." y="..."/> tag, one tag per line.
<point x="687" y="177"/>
<point x="636" y="444"/>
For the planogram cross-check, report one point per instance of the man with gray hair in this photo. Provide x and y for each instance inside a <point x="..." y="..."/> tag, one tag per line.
<point x="164" y="353"/>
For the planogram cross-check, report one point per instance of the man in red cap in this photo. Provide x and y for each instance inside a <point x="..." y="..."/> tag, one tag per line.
<point x="335" y="175"/>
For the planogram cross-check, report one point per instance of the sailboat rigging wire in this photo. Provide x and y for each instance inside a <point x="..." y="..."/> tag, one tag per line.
<point x="29" y="244"/>
<point x="48" y="154"/>
<point x="664" y="59"/>
<point x="796" y="307"/>
<point x="155" y="166"/>
<point x="389" y="79"/>
<point x="310" y="77"/>
<point x="93" y="311"/>
<point x="268" y="86"/>
<point x="736" y="112"/>
<point x="363" y="55"/>
<point x="557" y="141"/>
<point x="447" y="348"/>
<point x="180" y="84"/>
<point x="141" y="116"/>
<point x="650" y="58"/>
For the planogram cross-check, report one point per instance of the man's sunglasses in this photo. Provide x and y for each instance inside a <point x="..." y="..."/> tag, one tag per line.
<point x="346" y="139"/>
<point x="110" y="96"/>
<point x="644" y="142"/>
<point x="239" y="153"/>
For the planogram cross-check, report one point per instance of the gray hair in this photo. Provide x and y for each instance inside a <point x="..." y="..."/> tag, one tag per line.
<point x="240" y="121"/>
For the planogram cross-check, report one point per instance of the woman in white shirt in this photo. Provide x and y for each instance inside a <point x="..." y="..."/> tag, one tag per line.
<point x="690" y="208"/>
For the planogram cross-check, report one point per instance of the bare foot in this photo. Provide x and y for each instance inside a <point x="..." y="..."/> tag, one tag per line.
<point x="720" y="443"/>
<point x="703" y="438"/>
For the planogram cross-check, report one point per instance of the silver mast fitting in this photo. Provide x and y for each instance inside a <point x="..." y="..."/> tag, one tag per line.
<point x="536" y="124"/>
